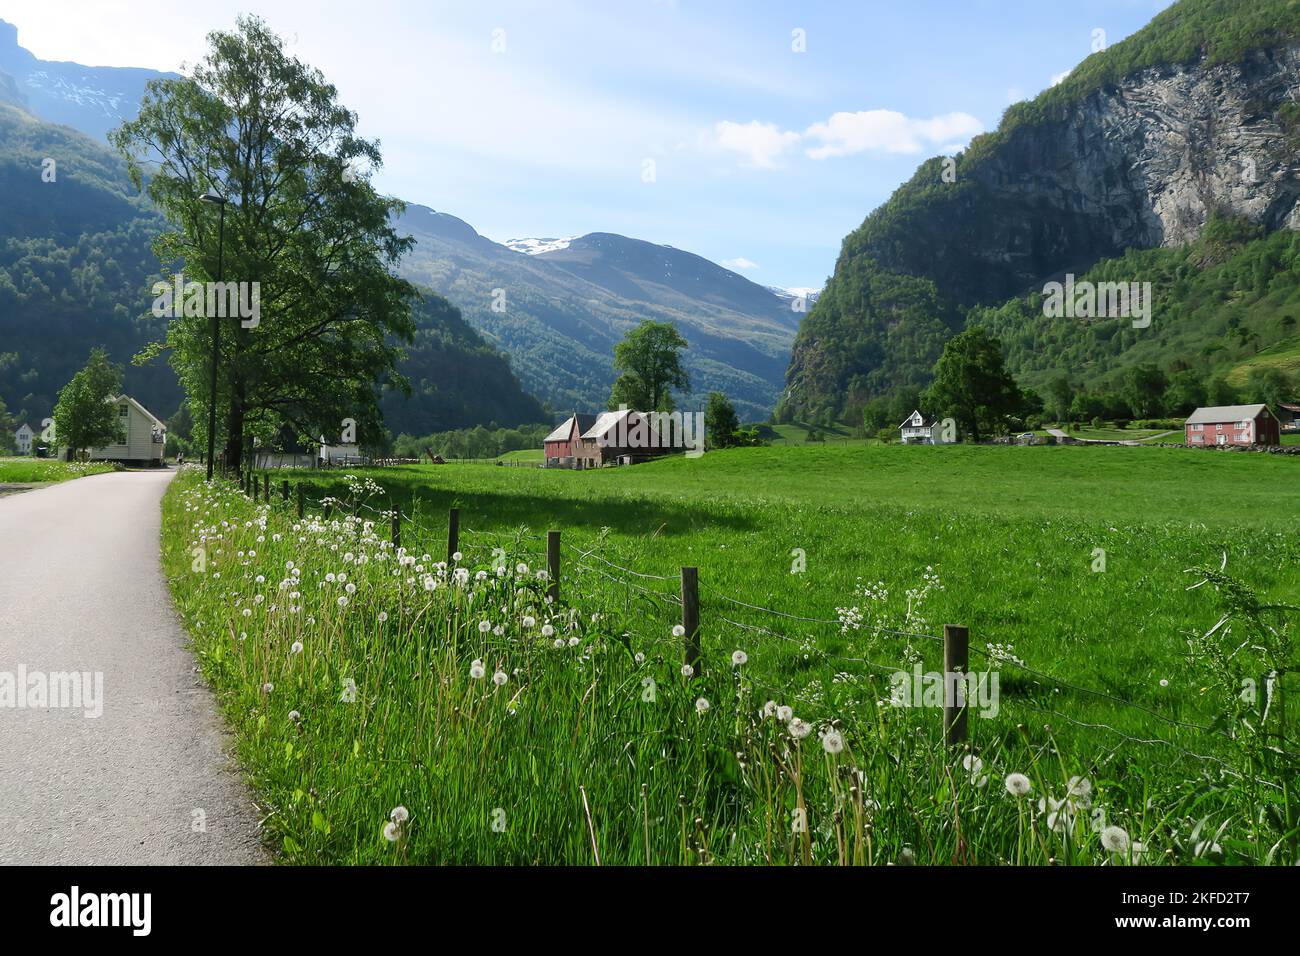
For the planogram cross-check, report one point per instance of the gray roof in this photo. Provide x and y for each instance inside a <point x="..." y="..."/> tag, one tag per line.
<point x="604" y="422"/>
<point x="565" y="428"/>
<point x="1225" y="413"/>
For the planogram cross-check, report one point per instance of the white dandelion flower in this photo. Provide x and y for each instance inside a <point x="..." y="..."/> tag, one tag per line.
<point x="383" y="616"/>
<point x="457" y="556"/>
<point x="295" y="647"/>
<point x="832" y="742"/>
<point x="477" y="670"/>
<point x="701" y="705"/>
<point x="547" y="630"/>
<point x="500" y="678"/>
<point x="688" y="670"/>
<point x="799" y="728"/>
<point x="1115" y="839"/>
<point x="521" y="568"/>
<point x="295" y="716"/>
<point x="1079" y="787"/>
<point x="739" y="658"/>
<point x="343" y="600"/>
<point x="769" y="709"/>
<point x="1018" y="785"/>
<point x="484" y="626"/>
<point x="529" y="621"/>
<point x="268" y="687"/>
<point x="972" y="764"/>
<point x="573" y="641"/>
<point x="784" y="714"/>
<point x="639" y="657"/>
<point x="392" y="832"/>
<point x="678" y="630"/>
<point x="399" y="814"/>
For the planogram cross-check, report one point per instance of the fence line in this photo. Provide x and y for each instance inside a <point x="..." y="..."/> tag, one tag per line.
<point x="250" y="486"/>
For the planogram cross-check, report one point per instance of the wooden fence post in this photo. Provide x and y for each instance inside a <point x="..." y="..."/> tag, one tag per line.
<point x="284" y="489"/>
<point x="553" y="565"/>
<point x="397" y="527"/>
<point x="956" y="647"/>
<point x="453" y="533"/>
<point x="266" y="489"/>
<point x="298" y="488"/>
<point x="691" y="617"/>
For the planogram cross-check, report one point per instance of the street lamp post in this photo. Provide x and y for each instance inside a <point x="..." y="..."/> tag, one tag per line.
<point x="212" y="196"/>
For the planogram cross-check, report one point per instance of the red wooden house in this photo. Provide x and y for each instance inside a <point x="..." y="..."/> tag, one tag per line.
<point x="1232" y="425"/>
<point x="565" y="444"/>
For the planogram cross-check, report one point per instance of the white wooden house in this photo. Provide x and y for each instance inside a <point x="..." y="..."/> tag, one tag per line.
<point x="23" y="439"/>
<point x="144" y="436"/>
<point x="919" y="429"/>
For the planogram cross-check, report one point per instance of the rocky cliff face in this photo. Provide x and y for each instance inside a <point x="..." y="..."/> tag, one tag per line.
<point x="1135" y="164"/>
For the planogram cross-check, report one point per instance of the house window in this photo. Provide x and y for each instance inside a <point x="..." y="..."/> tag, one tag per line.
<point x="122" y="410"/>
<point x="1218" y="427"/>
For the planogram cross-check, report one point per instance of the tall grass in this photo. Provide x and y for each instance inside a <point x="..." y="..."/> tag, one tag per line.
<point x="390" y="709"/>
<point x="34" y="470"/>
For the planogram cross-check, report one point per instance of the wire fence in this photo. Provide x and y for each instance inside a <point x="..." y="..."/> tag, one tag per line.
<point x="659" y="593"/>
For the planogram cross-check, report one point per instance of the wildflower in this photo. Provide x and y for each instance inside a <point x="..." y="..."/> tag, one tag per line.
<point x="383" y="616"/>
<point x="769" y="709"/>
<point x="573" y="641"/>
<point x="799" y="729"/>
<point x="343" y="600"/>
<point x="639" y="657"/>
<point x="500" y="678"/>
<point x="972" y="764"/>
<point x="349" y="695"/>
<point x="477" y="670"/>
<point x="784" y="714"/>
<point x="529" y="621"/>
<point x="558" y="643"/>
<point x="295" y="647"/>
<point x="1018" y="784"/>
<point x="480" y="576"/>
<point x="739" y="658"/>
<point x="457" y="556"/>
<point x="1115" y="839"/>
<point x="547" y="630"/>
<point x="701" y="705"/>
<point x="1079" y="787"/>
<point x="484" y="626"/>
<point x="295" y="716"/>
<point x="1164" y="682"/>
<point x="678" y="630"/>
<point x="688" y="670"/>
<point x="351" y="588"/>
<point x="268" y="687"/>
<point x="521" y="568"/>
<point x="399" y="815"/>
<point x="832" y="742"/>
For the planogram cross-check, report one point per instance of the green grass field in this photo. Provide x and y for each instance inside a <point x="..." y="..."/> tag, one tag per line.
<point x="40" y="470"/>
<point x="1068" y="564"/>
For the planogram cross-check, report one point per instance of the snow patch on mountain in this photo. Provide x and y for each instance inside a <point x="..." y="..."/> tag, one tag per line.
<point x="533" y="247"/>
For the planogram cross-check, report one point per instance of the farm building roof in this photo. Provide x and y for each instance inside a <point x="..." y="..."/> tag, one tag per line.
<point x="566" y="427"/>
<point x="604" y="422"/>
<point x="1225" y="413"/>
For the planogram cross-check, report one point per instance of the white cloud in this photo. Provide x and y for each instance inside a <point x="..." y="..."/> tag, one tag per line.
<point x="740" y="262"/>
<point x="761" y="144"/>
<point x="888" y="131"/>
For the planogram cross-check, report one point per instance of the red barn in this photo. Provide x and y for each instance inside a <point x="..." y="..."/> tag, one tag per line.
<point x="1232" y="425"/>
<point x="565" y="444"/>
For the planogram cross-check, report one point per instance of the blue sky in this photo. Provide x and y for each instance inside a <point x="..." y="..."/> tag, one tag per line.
<point x="693" y="123"/>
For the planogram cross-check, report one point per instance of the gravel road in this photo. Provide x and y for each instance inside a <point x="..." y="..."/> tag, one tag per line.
<point x="150" y="779"/>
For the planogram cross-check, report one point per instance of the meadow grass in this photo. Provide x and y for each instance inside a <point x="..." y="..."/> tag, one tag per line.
<point x="36" y="470"/>
<point x="1097" y="682"/>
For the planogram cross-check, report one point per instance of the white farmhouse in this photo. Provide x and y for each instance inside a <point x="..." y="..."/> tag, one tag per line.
<point x="23" y="439"/>
<point x="919" y="429"/>
<point x="144" y="436"/>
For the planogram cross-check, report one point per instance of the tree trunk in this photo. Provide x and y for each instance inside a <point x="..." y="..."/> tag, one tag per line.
<point x="235" y="427"/>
